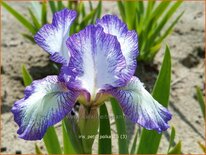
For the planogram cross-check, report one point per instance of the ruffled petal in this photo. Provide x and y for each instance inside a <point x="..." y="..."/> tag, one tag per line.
<point x="128" y="40"/>
<point x="46" y="102"/>
<point x="52" y="37"/>
<point x="96" y="61"/>
<point x="140" y="107"/>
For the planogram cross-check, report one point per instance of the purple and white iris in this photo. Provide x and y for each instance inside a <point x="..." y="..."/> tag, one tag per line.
<point x="97" y="63"/>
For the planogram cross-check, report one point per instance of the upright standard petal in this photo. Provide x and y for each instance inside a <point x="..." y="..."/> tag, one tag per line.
<point x="96" y="61"/>
<point x="46" y="102"/>
<point x="128" y="40"/>
<point x="52" y="37"/>
<point x="141" y="107"/>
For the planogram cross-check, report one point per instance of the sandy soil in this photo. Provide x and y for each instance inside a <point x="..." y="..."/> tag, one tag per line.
<point x="187" y="50"/>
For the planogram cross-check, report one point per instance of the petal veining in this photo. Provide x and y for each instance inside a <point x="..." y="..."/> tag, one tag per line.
<point x="140" y="107"/>
<point x="46" y="102"/>
<point x="96" y="61"/>
<point x="52" y="37"/>
<point x="128" y="40"/>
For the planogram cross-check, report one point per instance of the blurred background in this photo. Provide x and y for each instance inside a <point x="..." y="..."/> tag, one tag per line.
<point x="187" y="45"/>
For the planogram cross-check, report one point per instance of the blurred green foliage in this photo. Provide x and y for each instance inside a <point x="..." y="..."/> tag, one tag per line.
<point x="38" y="14"/>
<point x="201" y="102"/>
<point x="151" y="22"/>
<point x="200" y="99"/>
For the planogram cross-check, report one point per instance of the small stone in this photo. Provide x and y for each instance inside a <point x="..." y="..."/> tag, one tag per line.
<point x="18" y="152"/>
<point x="198" y="15"/>
<point x="190" y="61"/>
<point x="2" y="70"/>
<point x="3" y="149"/>
<point x="197" y="122"/>
<point x="200" y="76"/>
<point x="178" y="31"/>
<point x="200" y="52"/>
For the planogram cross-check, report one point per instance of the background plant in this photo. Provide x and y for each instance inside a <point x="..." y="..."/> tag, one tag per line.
<point x="201" y="102"/>
<point x="150" y="20"/>
<point x="38" y="15"/>
<point x="39" y="12"/>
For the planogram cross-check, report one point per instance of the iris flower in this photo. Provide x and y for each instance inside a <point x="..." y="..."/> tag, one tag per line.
<point x="97" y="63"/>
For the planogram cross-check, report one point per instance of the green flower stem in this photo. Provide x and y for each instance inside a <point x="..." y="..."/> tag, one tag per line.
<point x="88" y="124"/>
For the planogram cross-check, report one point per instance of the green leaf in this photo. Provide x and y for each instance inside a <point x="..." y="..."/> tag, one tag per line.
<point x="177" y="149"/>
<point x="121" y="127"/>
<point x="44" y="13"/>
<point x="70" y="4"/>
<point x="161" y="93"/>
<point x="20" y="18"/>
<point x="29" y="37"/>
<point x="172" y="137"/>
<point x="152" y="53"/>
<point x="52" y="6"/>
<point x="97" y="13"/>
<point x="202" y="146"/>
<point x="60" y="5"/>
<point x="90" y="5"/>
<point x="26" y="76"/>
<point x="149" y="9"/>
<point x="36" y="9"/>
<point x="121" y="9"/>
<point x="105" y="144"/>
<point x="37" y="150"/>
<point x="34" y="20"/>
<point x="161" y="90"/>
<point x="169" y="29"/>
<point x="139" y="15"/>
<point x="160" y="9"/>
<point x="81" y="9"/>
<point x="73" y="132"/>
<point x="51" y="141"/>
<point x="86" y="19"/>
<point x="165" y="19"/>
<point x="151" y="23"/>
<point x="134" y="144"/>
<point x="140" y="7"/>
<point x="99" y="9"/>
<point x="130" y="11"/>
<point x="68" y="147"/>
<point x="200" y="99"/>
<point x="154" y="49"/>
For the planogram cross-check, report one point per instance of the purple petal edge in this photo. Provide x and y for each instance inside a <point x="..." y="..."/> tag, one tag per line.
<point x="128" y="40"/>
<point x="35" y="127"/>
<point x="140" y="107"/>
<point x="57" y="32"/>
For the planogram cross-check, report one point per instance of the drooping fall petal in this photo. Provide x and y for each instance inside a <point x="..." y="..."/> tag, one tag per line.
<point x="46" y="102"/>
<point x="140" y="107"/>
